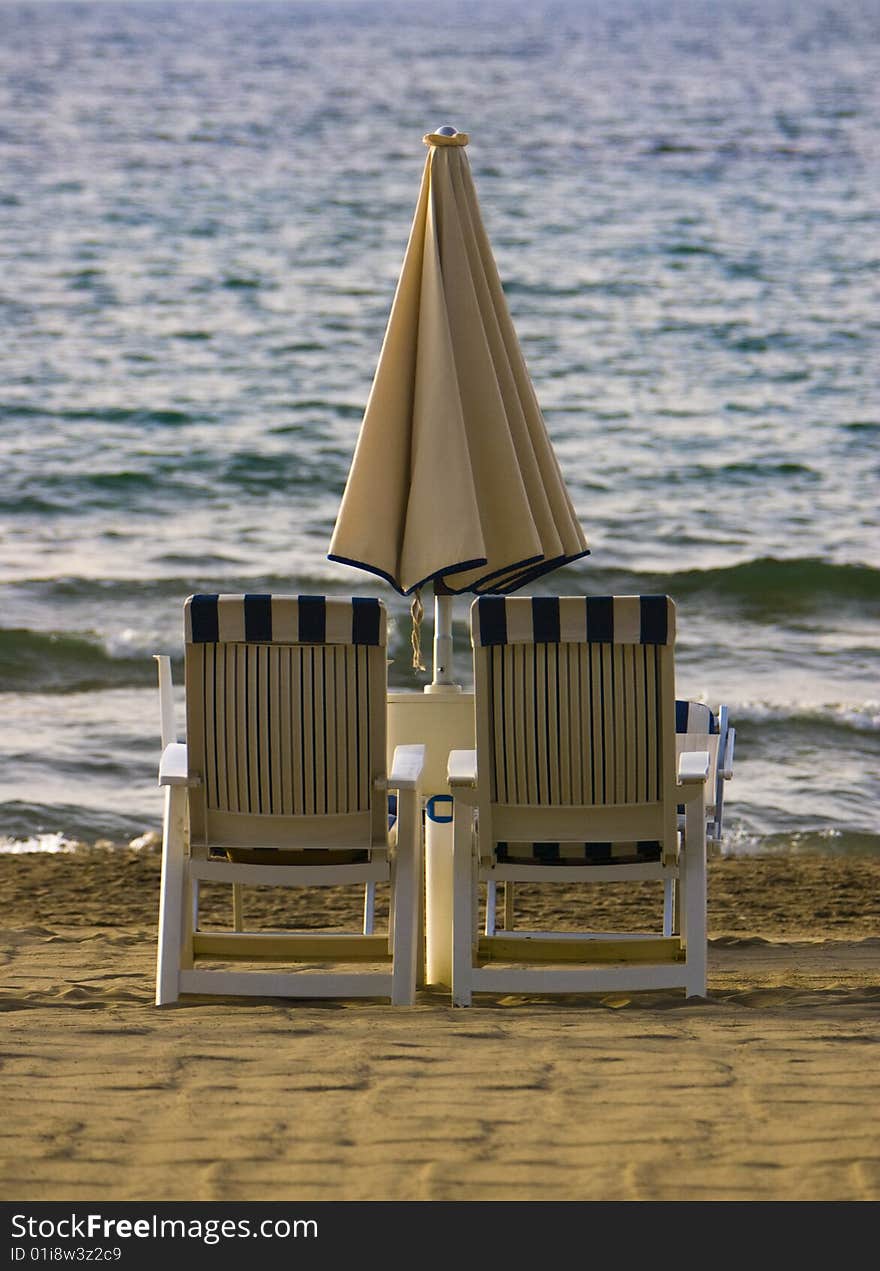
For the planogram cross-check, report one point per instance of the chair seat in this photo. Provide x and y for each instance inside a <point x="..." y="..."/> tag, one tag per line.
<point x="304" y="856"/>
<point x="621" y="853"/>
<point x="271" y="856"/>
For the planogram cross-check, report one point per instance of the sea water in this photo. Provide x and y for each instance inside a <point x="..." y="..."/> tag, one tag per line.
<point x="203" y="212"/>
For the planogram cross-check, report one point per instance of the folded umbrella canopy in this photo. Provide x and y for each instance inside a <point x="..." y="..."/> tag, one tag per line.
<point x="454" y="479"/>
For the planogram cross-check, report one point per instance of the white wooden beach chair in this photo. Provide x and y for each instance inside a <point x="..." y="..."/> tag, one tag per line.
<point x="576" y="778"/>
<point x="282" y="780"/>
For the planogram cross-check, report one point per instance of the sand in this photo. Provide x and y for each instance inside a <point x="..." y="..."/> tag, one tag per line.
<point x="768" y="1089"/>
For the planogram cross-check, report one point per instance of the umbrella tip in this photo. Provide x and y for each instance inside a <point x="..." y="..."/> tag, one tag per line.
<point x="446" y="135"/>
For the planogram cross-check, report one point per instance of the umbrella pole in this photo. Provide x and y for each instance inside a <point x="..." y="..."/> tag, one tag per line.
<point x="453" y="721"/>
<point x="442" y="681"/>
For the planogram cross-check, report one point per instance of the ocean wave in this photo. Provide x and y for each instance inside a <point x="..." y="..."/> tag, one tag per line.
<point x="696" y="475"/>
<point x="770" y="579"/>
<point x="76" y="662"/>
<point x="808" y="579"/>
<point x="768" y="583"/>
<point x="105" y="630"/>
<point x="111" y="592"/>
<point x="859" y="717"/>
<point x="64" y="827"/>
<point x="123" y="491"/>
<point x="206" y="477"/>
<point x="740" y="841"/>
<point x="49" y="662"/>
<point x="12" y="411"/>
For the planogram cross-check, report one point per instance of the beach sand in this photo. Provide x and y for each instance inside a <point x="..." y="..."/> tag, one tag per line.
<point x="769" y="1089"/>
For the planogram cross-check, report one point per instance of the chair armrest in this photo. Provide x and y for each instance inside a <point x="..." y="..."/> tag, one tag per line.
<point x="407" y="763"/>
<point x="462" y="768"/>
<point x="166" y="700"/>
<point x="693" y="767"/>
<point x="725" y="763"/>
<point x="174" y="767"/>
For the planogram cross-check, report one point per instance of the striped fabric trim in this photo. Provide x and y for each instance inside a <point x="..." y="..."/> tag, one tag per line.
<point x="694" y="717"/>
<point x="572" y="619"/>
<point x="622" y="853"/>
<point x="216" y="619"/>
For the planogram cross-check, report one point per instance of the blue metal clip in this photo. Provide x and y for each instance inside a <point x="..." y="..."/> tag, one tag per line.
<point x="430" y="808"/>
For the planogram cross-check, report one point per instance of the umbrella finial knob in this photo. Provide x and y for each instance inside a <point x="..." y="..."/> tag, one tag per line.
<point x="446" y="135"/>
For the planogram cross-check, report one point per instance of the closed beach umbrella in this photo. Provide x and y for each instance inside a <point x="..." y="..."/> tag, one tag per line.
<point x="454" y="480"/>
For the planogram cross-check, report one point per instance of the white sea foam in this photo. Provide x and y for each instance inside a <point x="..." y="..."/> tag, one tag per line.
<point x="861" y="716"/>
<point x="51" y="843"/>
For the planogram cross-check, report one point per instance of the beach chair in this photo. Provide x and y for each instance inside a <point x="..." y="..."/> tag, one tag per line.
<point x="575" y="778"/>
<point x="282" y="781"/>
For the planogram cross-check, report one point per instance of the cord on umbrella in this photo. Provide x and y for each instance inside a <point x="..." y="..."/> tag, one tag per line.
<point x="417" y="613"/>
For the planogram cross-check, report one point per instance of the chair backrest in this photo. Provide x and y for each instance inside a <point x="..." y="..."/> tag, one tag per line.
<point x="575" y="712"/>
<point x="285" y="714"/>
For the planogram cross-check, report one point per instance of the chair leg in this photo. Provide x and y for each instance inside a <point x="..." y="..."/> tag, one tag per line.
<point x="406" y="894"/>
<point x="694" y="900"/>
<point x="421" y="932"/>
<point x="173" y="910"/>
<point x="189" y="906"/>
<point x="509" y="897"/>
<point x="475" y="900"/>
<point x="491" y="894"/>
<point x="369" y="908"/>
<point x="669" y="907"/>
<point x="236" y="907"/>
<point x="463" y="871"/>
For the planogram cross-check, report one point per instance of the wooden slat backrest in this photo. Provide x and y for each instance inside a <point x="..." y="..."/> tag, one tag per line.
<point x="583" y="717"/>
<point x="280" y="726"/>
<point x="567" y="730"/>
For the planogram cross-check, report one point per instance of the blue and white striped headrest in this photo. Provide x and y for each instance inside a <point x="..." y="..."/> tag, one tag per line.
<point x="694" y="717"/>
<point x="284" y="620"/>
<point x="574" y="619"/>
